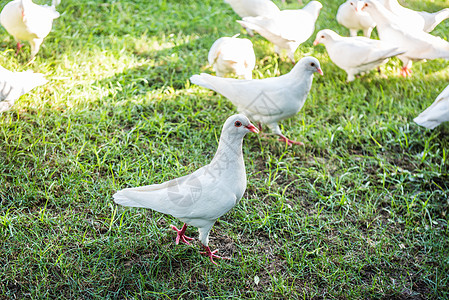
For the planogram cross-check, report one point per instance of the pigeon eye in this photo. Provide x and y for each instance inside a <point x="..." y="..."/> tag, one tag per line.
<point x="237" y="124"/>
<point x="312" y="64"/>
<point x="322" y="36"/>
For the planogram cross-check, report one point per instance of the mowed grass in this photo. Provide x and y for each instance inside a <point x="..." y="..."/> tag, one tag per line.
<point x="360" y="212"/>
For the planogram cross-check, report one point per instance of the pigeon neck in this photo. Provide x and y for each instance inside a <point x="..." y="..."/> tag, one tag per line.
<point x="229" y="149"/>
<point x="381" y="15"/>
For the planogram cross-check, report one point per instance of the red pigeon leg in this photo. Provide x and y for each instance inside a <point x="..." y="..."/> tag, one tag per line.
<point x="406" y="71"/>
<point x="181" y="236"/>
<point x="211" y="254"/>
<point x="19" y="46"/>
<point x="288" y="141"/>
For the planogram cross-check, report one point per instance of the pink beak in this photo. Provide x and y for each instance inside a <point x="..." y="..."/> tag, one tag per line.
<point x="316" y="42"/>
<point x="252" y="128"/>
<point x="320" y="71"/>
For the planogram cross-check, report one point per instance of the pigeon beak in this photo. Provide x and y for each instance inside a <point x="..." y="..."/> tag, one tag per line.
<point x="320" y="71"/>
<point x="252" y="128"/>
<point x="316" y="42"/>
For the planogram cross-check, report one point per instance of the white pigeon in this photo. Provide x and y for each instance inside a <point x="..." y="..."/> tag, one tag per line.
<point x="15" y="84"/>
<point x="268" y="100"/>
<point x="30" y="22"/>
<point x="416" y="44"/>
<point x="232" y="55"/>
<point x="200" y="198"/>
<point x="420" y="20"/>
<point x="437" y="113"/>
<point x="253" y="8"/>
<point x="288" y="28"/>
<point x="351" y="16"/>
<point x="357" y="54"/>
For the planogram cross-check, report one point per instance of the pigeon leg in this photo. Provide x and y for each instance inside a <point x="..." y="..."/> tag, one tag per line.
<point x="260" y="126"/>
<point x="406" y="71"/>
<point x="211" y="254"/>
<point x="181" y="236"/>
<point x="288" y="141"/>
<point x="19" y="46"/>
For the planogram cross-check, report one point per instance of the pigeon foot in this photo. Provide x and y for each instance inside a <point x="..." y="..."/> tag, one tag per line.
<point x="19" y="46"/>
<point x="288" y="141"/>
<point x="181" y="236"/>
<point x="211" y="254"/>
<point x="405" y="72"/>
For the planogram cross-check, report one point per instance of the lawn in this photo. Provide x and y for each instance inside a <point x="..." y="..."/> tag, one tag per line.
<point x="361" y="211"/>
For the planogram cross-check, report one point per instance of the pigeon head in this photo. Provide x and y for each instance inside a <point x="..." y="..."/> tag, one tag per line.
<point x="324" y="36"/>
<point x="368" y="5"/>
<point x="310" y="64"/>
<point x="239" y="125"/>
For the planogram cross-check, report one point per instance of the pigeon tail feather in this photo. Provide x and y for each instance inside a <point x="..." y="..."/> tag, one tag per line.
<point x="201" y="81"/>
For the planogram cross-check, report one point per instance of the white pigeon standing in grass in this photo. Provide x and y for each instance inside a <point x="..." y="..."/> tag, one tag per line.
<point x="437" y="113"/>
<point x="268" y="100"/>
<point x="253" y="8"/>
<point x="232" y="55"/>
<point x="351" y="16"/>
<point x="15" y="84"/>
<point x="420" y="20"/>
<point x="416" y="44"/>
<point x="286" y="29"/>
<point x="200" y="198"/>
<point x="357" y="54"/>
<point x="27" y="21"/>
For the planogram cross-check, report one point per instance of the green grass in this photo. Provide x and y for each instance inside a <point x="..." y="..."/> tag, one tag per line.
<point x="360" y="212"/>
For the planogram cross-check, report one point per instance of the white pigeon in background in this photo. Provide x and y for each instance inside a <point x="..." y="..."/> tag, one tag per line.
<point x="15" y="84"/>
<point x="416" y="44"/>
<point x="355" y="55"/>
<point x="253" y="8"/>
<point x="30" y="22"/>
<point x="420" y="20"/>
<point x="268" y="100"/>
<point x="232" y="55"/>
<point x="351" y="16"/>
<point x="437" y="113"/>
<point x="286" y="29"/>
<point x="200" y="198"/>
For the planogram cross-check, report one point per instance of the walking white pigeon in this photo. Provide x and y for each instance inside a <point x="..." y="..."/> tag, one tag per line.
<point x="286" y="29"/>
<point x="351" y="16"/>
<point x="437" y="113"/>
<point x="200" y="198"/>
<point x="268" y="100"/>
<point x="15" y="84"/>
<point x="355" y="54"/>
<point x="416" y="44"/>
<point x="232" y="55"/>
<point x="420" y="20"/>
<point x="30" y="22"/>
<point x="253" y="8"/>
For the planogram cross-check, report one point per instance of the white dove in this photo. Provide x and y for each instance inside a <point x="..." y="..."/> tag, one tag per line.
<point x="416" y="44"/>
<point x="232" y="55"/>
<point x="27" y="21"/>
<point x="253" y="8"/>
<point x="420" y="20"/>
<point x="15" y="84"/>
<point x="286" y="29"/>
<point x="268" y="100"/>
<point x="351" y="16"/>
<point x="437" y="113"/>
<point x="355" y="54"/>
<point x="200" y="198"/>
